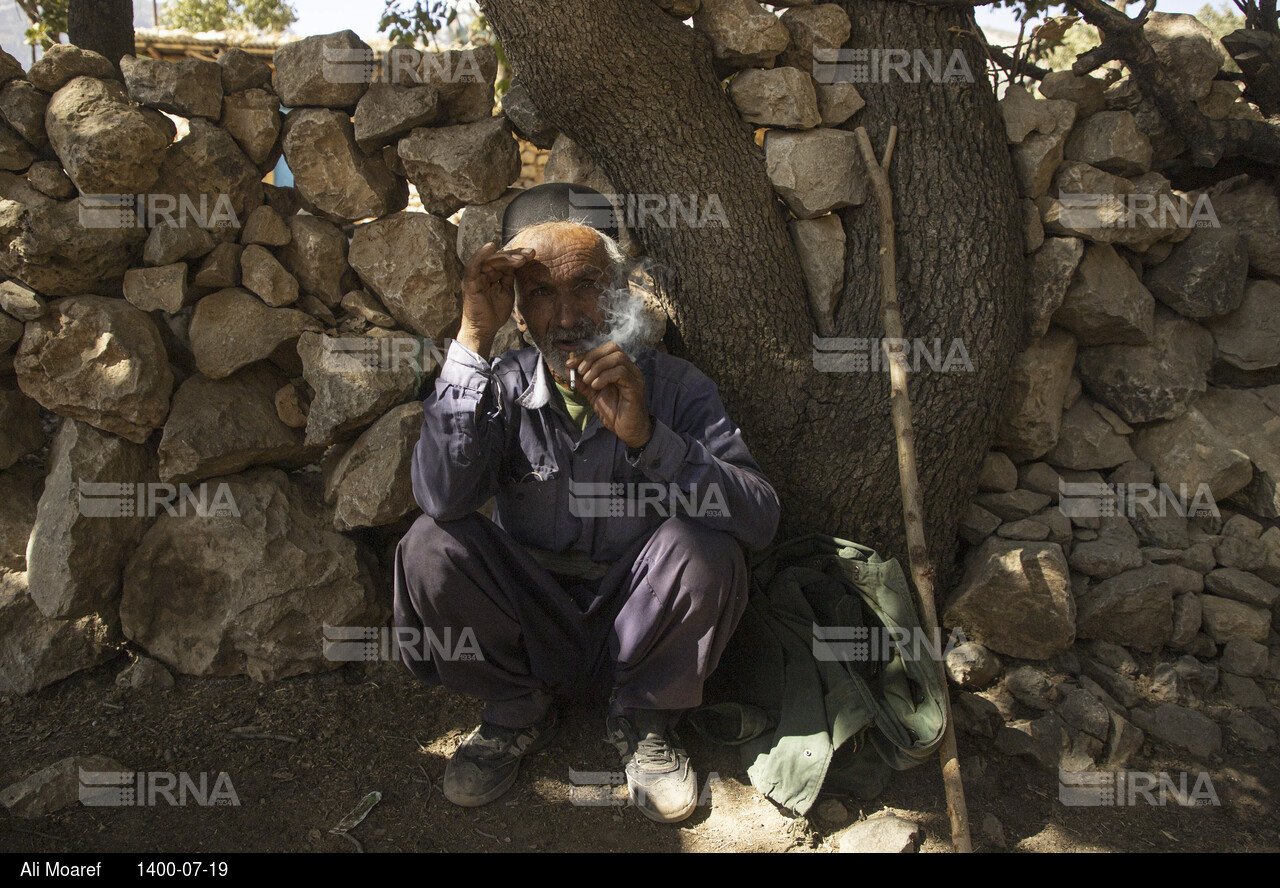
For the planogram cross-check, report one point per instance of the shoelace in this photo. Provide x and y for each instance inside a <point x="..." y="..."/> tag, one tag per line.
<point x="654" y="751"/>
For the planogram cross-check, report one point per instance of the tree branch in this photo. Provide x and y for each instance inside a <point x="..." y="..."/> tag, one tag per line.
<point x="1209" y="140"/>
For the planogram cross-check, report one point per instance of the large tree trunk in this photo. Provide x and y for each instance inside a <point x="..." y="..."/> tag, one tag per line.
<point x="105" y="26"/>
<point x="637" y="90"/>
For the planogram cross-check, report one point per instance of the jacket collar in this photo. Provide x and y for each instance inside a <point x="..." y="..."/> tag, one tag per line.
<point x="538" y="395"/>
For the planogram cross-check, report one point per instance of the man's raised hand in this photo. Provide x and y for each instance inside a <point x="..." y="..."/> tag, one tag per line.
<point x="615" y="387"/>
<point x="488" y="294"/>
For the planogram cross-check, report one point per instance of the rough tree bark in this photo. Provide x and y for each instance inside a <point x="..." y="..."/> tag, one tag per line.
<point x="105" y="26"/>
<point x="636" y="89"/>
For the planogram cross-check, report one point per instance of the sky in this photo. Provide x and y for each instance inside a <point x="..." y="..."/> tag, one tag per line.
<point x="361" y="16"/>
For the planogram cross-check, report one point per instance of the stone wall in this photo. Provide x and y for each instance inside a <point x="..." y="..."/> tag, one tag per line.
<point x="267" y="347"/>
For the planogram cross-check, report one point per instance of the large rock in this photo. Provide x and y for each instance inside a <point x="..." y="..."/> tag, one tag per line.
<point x="1107" y="209"/>
<point x="1240" y="585"/>
<point x="815" y="172"/>
<point x="453" y="166"/>
<point x="23" y="106"/>
<point x="172" y="241"/>
<point x="1225" y="620"/>
<point x="1249" y="337"/>
<point x="882" y="834"/>
<point x="1144" y="383"/>
<point x="253" y="118"/>
<point x="332" y="173"/>
<point x="1106" y="302"/>
<point x="783" y="97"/>
<point x="317" y="256"/>
<point x="1086" y="92"/>
<point x="36" y="651"/>
<point x="1113" y="552"/>
<point x="221" y="426"/>
<point x="92" y="513"/>
<point x="1111" y="141"/>
<point x="1134" y="609"/>
<point x="1204" y="275"/>
<point x="356" y="380"/>
<point x="106" y="144"/>
<point x="187" y="87"/>
<point x="1039" y="153"/>
<point x="388" y="111"/>
<point x="1189" y="451"/>
<point x="481" y="224"/>
<point x="1052" y="269"/>
<point x="63" y="62"/>
<point x="209" y="170"/>
<point x="15" y="153"/>
<point x="1251" y="426"/>
<point x="1188" y="52"/>
<point x="370" y="485"/>
<point x="242" y="71"/>
<point x="464" y="79"/>
<point x="825" y="26"/>
<point x="820" y="247"/>
<point x="160" y="288"/>
<point x="248" y="593"/>
<point x="1254" y="208"/>
<point x="56" y="787"/>
<point x="62" y="248"/>
<point x="526" y="120"/>
<point x="20" y="488"/>
<point x="1032" y="412"/>
<point x="99" y="360"/>
<point x="263" y="274"/>
<point x="1179" y="726"/>
<point x="1016" y="599"/>
<point x="409" y="261"/>
<point x="743" y="33"/>
<point x="1087" y="441"/>
<point x="20" y="429"/>
<point x="233" y="328"/>
<point x="328" y="70"/>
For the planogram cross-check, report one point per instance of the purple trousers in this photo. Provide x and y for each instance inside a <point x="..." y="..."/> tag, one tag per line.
<point x="650" y="631"/>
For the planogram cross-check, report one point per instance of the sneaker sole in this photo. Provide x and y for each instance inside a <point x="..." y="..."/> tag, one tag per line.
<point x="657" y="817"/>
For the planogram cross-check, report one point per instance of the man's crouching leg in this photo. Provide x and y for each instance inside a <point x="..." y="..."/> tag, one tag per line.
<point x="458" y="626"/>
<point x="688" y="590"/>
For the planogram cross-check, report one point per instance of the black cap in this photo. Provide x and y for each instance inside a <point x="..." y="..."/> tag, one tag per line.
<point x="559" y="202"/>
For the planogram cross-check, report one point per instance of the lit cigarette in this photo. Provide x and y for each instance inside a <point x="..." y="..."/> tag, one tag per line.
<point x="573" y="376"/>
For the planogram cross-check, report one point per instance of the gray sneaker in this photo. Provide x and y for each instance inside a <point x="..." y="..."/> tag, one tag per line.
<point x="487" y="763"/>
<point x="660" y="781"/>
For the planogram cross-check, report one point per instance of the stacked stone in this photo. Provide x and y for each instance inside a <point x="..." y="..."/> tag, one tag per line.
<point x="1152" y="358"/>
<point x="267" y="347"/>
<point x="815" y="168"/>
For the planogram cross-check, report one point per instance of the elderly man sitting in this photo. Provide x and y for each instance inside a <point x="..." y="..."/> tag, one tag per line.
<point x="613" y="567"/>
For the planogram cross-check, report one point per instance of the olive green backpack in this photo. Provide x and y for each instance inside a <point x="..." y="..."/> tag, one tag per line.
<point x="811" y="687"/>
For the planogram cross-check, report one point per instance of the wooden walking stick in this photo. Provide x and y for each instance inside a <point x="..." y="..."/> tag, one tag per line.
<point x="922" y="572"/>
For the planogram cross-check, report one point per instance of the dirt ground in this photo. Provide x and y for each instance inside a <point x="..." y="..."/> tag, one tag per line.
<point x="303" y="752"/>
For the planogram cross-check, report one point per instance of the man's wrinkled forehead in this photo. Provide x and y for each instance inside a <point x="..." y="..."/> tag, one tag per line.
<point x="561" y="250"/>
